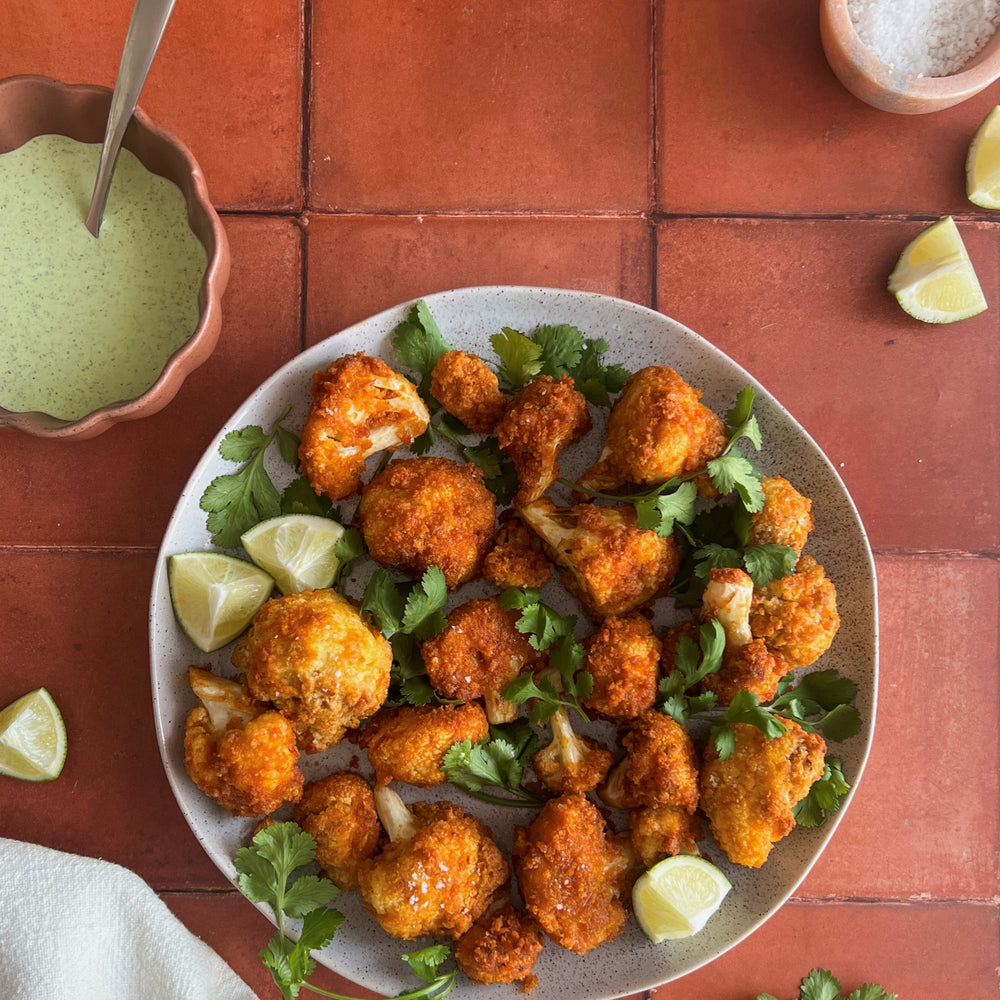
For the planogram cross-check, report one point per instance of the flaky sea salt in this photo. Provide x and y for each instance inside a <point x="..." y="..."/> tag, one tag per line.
<point x="925" y="37"/>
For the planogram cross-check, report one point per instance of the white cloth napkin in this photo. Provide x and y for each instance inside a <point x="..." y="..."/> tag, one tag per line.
<point x="80" y="928"/>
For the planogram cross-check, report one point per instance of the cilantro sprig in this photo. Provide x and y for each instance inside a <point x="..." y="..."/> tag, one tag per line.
<point x="821" y="984"/>
<point x="267" y="874"/>
<point x="546" y="629"/>
<point x="408" y="613"/>
<point x="236" y="501"/>
<point x="498" y="762"/>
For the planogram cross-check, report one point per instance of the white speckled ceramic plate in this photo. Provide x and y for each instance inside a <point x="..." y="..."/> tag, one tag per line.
<point x="637" y="336"/>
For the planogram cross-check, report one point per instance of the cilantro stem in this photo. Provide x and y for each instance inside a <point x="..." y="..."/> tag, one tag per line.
<point x="439" y="987"/>
<point x="520" y="798"/>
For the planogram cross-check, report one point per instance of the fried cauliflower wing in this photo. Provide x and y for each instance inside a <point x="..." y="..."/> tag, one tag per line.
<point x="421" y="512"/>
<point x="657" y="429"/>
<point x="658" y="832"/>
<point x="478" y="653"/>
<point x="359" y="406"/>
<point x="543" y="419"/>
<point x="516" y="558"/>
<point x="610" y="564"/>
<point x="573" y="876"/>
<point x="407" y="744"/>
<point x="570" y="762"/>
<point x="315" y="658"/>
<point x="660" y="767"/>
<point x="749" y="796"/>
<point x="438" y="873"/>
<point x="786" y="517"/>
<point x="468" y="390"/>
<point x="339" y="812"/>
<point x="796" y="615"/>
<point x="501" y="947"/>
<point x="236" y="750"/>
<point x="623" y="657"/>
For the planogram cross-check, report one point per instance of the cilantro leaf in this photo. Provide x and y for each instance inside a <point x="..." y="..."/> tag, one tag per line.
<point x="870" y="991"/>
<point x="520" y="357"/>
<point x="235" y="502"/>
<point x="824" y="795"/>
<point x="426" y="962"/>
<point x="820" y="985"/>
<point x="422" y="615"/>
<point x="494" y="763"/>
<point x="298" y="497"/>
<point x="419" y="343"/>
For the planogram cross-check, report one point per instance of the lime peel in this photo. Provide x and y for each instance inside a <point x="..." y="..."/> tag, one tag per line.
<point x="32" y="738"/>
<point x="676" y="897"/>
<point x="982" y="164"/>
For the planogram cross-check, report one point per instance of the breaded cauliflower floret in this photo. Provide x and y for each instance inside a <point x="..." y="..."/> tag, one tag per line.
<point x="236" y="750"/>
<point x="318" y="661"/>
<point x="359" y="406"/>
<point x="570" y="763"/>
<point x="339" y="812"/>
<point x="544" y="418"/>
<point x="468" y="390"/>
<point x="501" y="947"/>
<point x="747" y="663"/>
<point x="572" y="874"/>
<point x="749" y="796"/>
<point x="438" y="873"/>
<point x="658" y="832"/>
<point x="796" y="615"/>
<point x="610" y="564"/>
<point x="660" y="767"/>
<point x="516" y="559"/>
<point x="623" y="657"/>
<point x="657" y="429"/>
<point x="421" y="512"/>
<point x="786" y="517"/>
<point x="477" y="654"/>
<point x="407" y="744"/>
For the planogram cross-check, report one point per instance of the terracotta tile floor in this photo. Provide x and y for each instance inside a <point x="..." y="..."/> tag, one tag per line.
<point x="697" y="156"/>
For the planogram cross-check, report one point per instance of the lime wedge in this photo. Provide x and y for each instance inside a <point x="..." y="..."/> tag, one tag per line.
<point x="675" y="898"/>
<point x="32" y="738"/>
<point x="298" y="550"/>
<point x="214" y="595"/>
<point x="934" y="280"/>
<point x="982" y="165"/>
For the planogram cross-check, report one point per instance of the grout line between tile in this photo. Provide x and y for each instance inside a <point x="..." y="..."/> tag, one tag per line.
<point x="305" y="167"/>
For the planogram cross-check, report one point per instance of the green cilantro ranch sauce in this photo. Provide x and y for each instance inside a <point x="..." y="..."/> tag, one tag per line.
<point x="87" y="322"/>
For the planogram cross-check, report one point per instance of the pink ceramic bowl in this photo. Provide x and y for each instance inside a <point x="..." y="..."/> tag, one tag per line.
<point x="35" y="105"/>
<point x="868" y="78"/>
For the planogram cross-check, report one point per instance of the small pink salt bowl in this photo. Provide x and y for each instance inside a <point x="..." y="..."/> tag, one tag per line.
<point x="875" y="83"/>
<point x="32" y="106"/>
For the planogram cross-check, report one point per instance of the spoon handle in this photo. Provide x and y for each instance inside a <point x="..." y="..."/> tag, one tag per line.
<point x="149" y="20"/>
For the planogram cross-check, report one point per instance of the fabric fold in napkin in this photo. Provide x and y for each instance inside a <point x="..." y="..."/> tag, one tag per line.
<point x="81" y="928"/>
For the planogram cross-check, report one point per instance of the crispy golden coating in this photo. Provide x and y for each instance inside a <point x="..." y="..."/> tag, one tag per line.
<point x="657" y="429"/>
<point x="318" y="661"/>
<point x="786" y="517"/>
<point x="501" y="947"/>
<point x="753" y="668"/>
<point x="237" y="751"/>
<point x="610" y="564"/>
<point x="339" y="812"/>
<point x="748" y="797"/>
<point x="570" y="762"/>
<point x="407" y="744"/>
<point x="660" y="767"/>
<point x="796" y="615"/>
<point x="516" y="558"/>
<point x="543" y="419"/>
<point x="437" y="881"/>
<point x="359" y="406"/>
<point x="420" y="512"/>
<point x="572" y="875"/>
<point x="623" y="657"/>
<point x="468" y="390"/>
<point x="658" y="832"/>
<point x="479" y="651"/>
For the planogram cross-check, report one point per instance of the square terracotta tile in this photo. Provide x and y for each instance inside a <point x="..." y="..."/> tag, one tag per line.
<point x="923" y="824"/>
<point x="227" y="80"/>
<point x="507" y="106"/>
<point x="802" y="305"/>
<point x="121" y="486"/>
<point x="359" y="265"/>
<point x="751" y="119"/>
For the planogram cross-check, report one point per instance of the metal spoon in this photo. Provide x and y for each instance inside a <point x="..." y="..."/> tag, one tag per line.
<point x="149" y="19"/>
